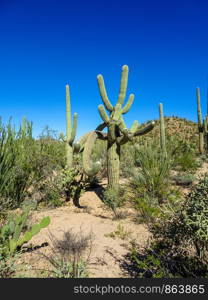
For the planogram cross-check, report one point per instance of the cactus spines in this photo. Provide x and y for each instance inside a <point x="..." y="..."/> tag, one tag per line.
<point x="200" y="122"/>
<point x="70" y="130"/>
<point x="117" y="133"/>
<point x="162" y="130"/>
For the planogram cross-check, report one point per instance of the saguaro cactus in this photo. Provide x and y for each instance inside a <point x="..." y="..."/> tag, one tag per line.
<point x="162" y="130"/>
<point x="201" y="127"/>
<point x="117" y="133"/>
<point x="70" y="130"/>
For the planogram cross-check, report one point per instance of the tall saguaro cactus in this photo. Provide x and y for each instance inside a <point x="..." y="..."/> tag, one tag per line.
<point x="70" y="130"/>
<point x="201" y="127"/>
<point x="162" y="130"/>
<point x="117" y="133"/>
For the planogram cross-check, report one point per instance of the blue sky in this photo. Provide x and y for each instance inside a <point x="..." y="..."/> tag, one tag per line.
<point x="47" y="44"/>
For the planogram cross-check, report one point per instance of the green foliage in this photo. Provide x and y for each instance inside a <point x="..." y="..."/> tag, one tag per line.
<point x="13" y="234"/>
<point x="127" y="162"/>
<point x="120" y="232"/>
<point x="186" y="162"/>
<point x="179" y="246"/>
<point x="7" y="158"/>
<point x="195" y="216"/>
<point x="183" y="154"/>
<point x="159" y="261"/>
<point x="147" y="208"/>
<point x="70" y="257"/>
<point x="26" y="163"/>
<point x="8" y="266"/>
<point x="149" y="264"/>
<point x="153" y="173"/>
<point x="114" y="199"/>
<point x="180" y="242"/>
<point x="65" y="269"/>
<point x="184" y="179"/>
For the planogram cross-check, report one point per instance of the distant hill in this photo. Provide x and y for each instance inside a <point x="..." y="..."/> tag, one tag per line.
<point x="182" y="128"/>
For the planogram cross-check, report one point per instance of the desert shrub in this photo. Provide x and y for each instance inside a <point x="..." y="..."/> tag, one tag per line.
<point x="184" y="179"/>
<point x="114" y="199"/>
<point x="179" y="247"/>
<point x="186" y="162"/>
<point x="9" y="266"/>
<point x="70" y="255"/>
<point x="150" y="211"/>
<point x="188" y="226"/>
<point x="120" y="232"/>
<point x="153" y="172"/>
<point x="51" y="150"/>
<point x="7" y="159"/>
<point x="183" y="153"/>
<point x="147" y="208"/>
<point x="195" y="217"/>
<point x="127" y="161"/>
<point x="158" y="261"/>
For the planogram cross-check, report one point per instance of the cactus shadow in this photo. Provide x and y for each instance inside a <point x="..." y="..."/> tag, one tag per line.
<point x="98" y="190"/>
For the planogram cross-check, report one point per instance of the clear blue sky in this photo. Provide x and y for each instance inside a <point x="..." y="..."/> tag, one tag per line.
<point x="45" y="44"/>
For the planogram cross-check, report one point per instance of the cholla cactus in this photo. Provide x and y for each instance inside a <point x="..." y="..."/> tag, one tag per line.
<point x="117" y="134"/>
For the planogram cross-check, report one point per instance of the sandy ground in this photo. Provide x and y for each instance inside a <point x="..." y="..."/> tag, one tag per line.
<point x="106" y="252"/>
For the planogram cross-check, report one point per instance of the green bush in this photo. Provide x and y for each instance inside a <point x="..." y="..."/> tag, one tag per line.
<point x="15" y="232"/>
<point x="114" y="199"/>
<point x="7" y="159"/>
<point x="183" y="153"/>
<point x="147" y="208"/>
<point x="195" y="217"/>
<point x="184" y="179"/>
<point x="153" y="172"/>
<point x="179" y="245"/>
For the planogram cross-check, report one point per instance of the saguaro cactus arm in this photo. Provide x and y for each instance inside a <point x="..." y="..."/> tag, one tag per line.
<point x="134" y="127"/>
<point x="103" y="93"/>
<point x="73" y="130"/>
<point x="128" y="105"/>
<point x="123" y="84"/>
<point x="144" y="130"/>
<point x="103" y="114"/>
<point x="101" y="126"/>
